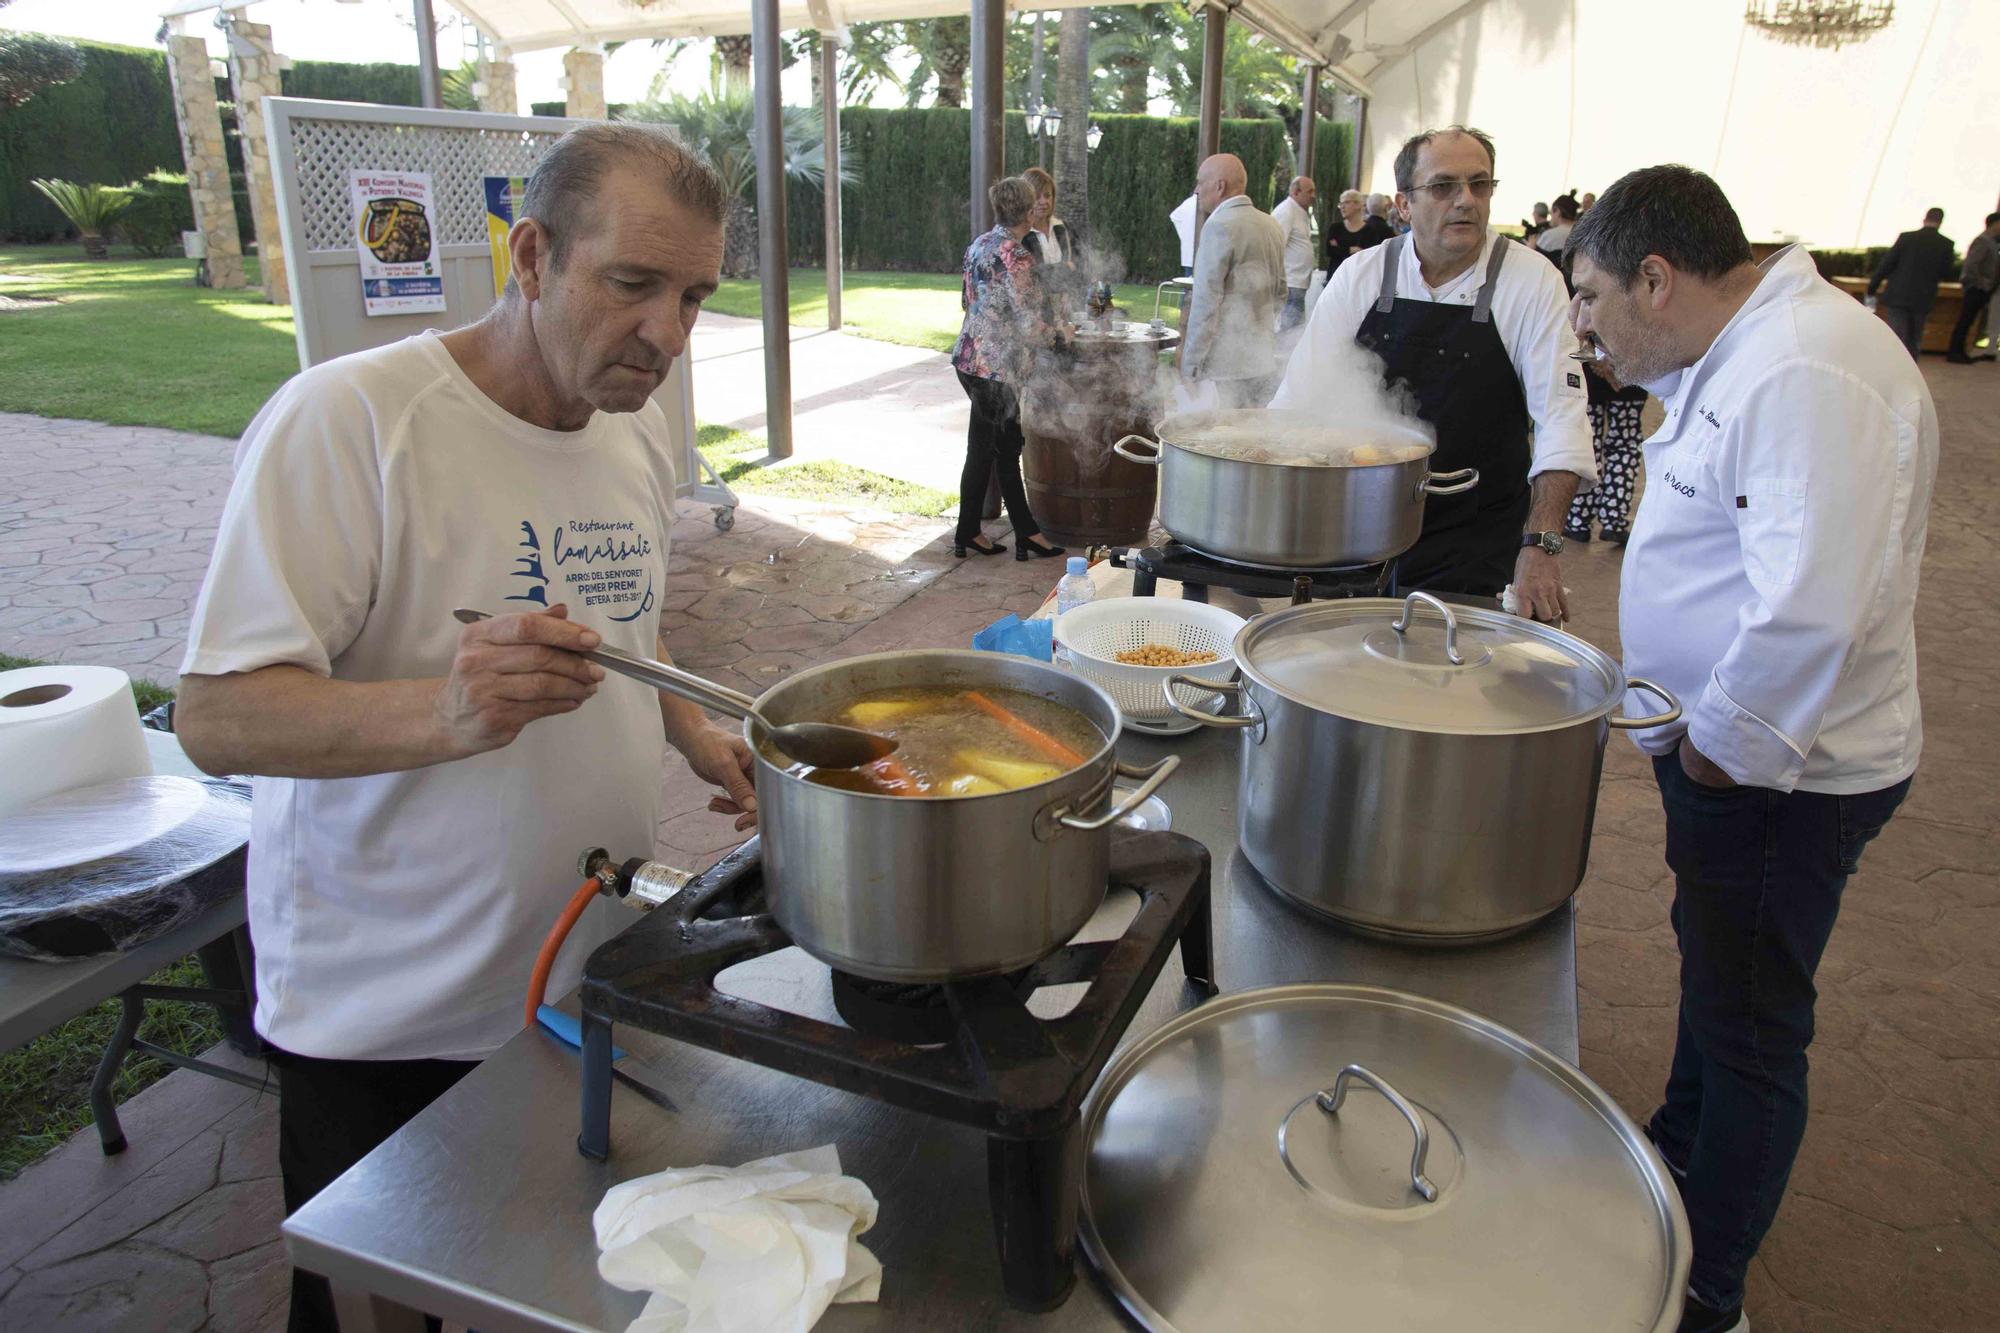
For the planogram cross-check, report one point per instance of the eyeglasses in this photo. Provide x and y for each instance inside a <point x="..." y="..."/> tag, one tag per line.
<point x="1444" y="192"/>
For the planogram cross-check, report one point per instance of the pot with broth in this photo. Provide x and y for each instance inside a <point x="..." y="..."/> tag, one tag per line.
<point x="981" y="846"/>
<point x="954" y="742"/>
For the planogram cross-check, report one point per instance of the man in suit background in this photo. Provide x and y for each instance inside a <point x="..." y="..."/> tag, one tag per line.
<point x="1979" y="278"/>
<point x="1912" y="270"/>
<point x="1239" y="283"/>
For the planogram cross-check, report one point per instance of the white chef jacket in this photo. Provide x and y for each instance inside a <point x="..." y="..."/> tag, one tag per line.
<point x="1771" y="579"/>
<point x="1183" y="220"/>
<point x="1530" y="312"/>
<point x="1297" y="223"/>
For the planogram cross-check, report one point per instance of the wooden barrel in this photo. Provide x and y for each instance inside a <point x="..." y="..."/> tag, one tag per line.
<point x="1073" y="410"/>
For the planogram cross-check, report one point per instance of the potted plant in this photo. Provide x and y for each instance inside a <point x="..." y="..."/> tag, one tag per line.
<point x="90" y="209"/>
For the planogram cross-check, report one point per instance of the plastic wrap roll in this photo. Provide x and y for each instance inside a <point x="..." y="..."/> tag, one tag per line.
<point x="63" y="727"/>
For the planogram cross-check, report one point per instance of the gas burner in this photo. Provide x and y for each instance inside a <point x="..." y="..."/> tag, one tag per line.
<point x="968" y="1051"/>
<point x="915" y="1014"/>
<point x="1197" y="573"/>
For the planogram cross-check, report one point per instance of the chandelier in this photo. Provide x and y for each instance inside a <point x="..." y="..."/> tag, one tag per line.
<point x="1826" y="23"/>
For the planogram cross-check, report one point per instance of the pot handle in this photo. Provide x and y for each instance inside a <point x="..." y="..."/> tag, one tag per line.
<point x="1451" y="483"/>
<point x="1673" y="713"/>
<point x="1329" y="1100"/>
<point x="1154" y="777"/>
<point x="1402" y="625"/>
<point x="1150" y="460"/>
<point x="1234" y="687"/>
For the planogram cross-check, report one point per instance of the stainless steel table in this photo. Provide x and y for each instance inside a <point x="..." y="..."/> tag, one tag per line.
<point x="479" y="1209"/>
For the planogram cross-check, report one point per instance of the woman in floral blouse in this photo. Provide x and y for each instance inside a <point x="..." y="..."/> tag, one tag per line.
<point x="1004" y="325"/>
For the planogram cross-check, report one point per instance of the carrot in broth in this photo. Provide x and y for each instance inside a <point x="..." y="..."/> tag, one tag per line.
<point x="1026" y="730"/>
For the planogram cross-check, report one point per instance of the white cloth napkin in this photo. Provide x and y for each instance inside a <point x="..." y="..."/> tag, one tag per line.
<point x="1511" y="603"/>
<point x="760" y="1248"/>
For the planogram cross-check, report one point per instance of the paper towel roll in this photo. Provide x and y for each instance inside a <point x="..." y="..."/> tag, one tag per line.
<point x="64" y="727"/>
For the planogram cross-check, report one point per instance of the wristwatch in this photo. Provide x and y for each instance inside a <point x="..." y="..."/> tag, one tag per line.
<point x="1552" y="542"/>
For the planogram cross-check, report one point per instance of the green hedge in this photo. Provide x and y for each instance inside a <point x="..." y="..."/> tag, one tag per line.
<point x="112" y="124"/>
<point x="908" y="210"/>
<point x="115" y="122"/>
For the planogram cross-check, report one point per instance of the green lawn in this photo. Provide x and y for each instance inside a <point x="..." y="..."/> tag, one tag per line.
<point x="914" y="309"/>
<point x="739" y="457"/>
<point x="134" y="342"/>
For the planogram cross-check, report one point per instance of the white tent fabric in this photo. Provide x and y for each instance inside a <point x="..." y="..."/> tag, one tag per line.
<point x="1837" y="147"/>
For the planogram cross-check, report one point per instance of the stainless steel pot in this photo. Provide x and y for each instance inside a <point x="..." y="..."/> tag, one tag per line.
<point x="1288" y="515"/>
<point x="922" y="890"/>
<point x="1429" y="777"/>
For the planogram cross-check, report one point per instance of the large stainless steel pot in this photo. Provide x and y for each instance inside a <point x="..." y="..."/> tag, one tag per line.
<point x="1288" y="515"/>
<point x="930" y="889"/>
<point x="1420" y="771"/>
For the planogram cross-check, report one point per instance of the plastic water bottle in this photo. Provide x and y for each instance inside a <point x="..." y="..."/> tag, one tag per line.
<point x="1074" y="590"/>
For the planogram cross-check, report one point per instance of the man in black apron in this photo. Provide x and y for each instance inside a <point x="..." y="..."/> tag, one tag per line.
<point x="1477" y="330"/>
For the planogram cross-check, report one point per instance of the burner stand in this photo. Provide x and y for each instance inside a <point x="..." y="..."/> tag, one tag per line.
<point x="1001" y="1069"/>
<point x="1197" y="573"/>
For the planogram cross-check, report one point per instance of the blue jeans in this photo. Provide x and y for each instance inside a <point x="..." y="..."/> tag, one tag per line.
<point x="1758" y="876"/>
<point x="1294" y="312"/>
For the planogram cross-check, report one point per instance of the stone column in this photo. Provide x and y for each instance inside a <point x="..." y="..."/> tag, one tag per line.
<point x="496" y="77"/>
<point x="207" y="164"/>
<point x="583" y="70"/>
<point x="253" y="71"/>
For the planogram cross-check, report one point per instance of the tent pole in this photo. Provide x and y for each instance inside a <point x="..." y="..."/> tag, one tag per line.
<point x="1215" y="34"/>
<point x="772" y="251"/>
<point x="989" y="50"/>
<point x="829" y="115"/>
<point x="429" y="89"/>
<point x="1309" y="121"/>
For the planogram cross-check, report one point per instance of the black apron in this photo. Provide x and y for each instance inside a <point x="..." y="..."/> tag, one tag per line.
<point x="1451" y="358"/>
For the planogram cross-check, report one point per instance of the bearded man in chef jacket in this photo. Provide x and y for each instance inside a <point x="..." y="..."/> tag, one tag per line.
<point x="1770" y="584"/>
<point x="1476" y="327"/>
<point x="422" y="789"/>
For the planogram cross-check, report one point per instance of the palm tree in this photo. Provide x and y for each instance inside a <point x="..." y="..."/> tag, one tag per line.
<point x="869" y="60"/>
<point x="90" y="209"/>
<point x="1128" y="42"/>
<point x="1073" y="100"/>
<point x="724" y="128"/>
<point x="734" y="53"/>
<point x="1256" y="79"/>
<point x="944" y="49"/>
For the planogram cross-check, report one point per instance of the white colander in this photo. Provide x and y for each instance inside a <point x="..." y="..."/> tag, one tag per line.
<point x="1096" y="632"/>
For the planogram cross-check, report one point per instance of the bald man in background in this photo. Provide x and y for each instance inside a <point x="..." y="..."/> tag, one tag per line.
<point x="1239" y="283"/>
<point x="1295" y="217"/>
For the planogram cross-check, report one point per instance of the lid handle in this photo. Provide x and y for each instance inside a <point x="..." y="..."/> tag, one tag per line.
<point x="1330" y="1099"/>
<point x="1402" y="625"/>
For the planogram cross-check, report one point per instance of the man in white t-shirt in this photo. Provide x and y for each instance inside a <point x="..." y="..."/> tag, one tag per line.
<point x="1294" y="214"/>
<point x="422" y="789"/>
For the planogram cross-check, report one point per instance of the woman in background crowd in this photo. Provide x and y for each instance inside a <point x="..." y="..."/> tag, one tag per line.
<point x="1355" y="229"/>
<point x="1004" y="327"/>
<point x="1553" y="241"/>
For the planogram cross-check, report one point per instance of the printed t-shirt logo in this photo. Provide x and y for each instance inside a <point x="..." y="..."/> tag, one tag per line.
<point x="602" y="565"/>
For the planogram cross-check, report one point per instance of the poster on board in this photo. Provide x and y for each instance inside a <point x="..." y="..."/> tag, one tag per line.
<point x="503" y="209"/>
<point x="396" y="234"/>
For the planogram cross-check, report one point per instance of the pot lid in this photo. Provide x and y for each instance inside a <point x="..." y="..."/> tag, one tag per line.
<point x="1421" y="665"/>
<point x="1251" y="1167"/>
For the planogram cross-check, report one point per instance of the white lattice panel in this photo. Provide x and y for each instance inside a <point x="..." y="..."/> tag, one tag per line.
<point x="325" y="151"/>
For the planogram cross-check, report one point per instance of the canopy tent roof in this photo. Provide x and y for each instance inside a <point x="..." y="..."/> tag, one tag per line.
<point x="1352" y="39"/>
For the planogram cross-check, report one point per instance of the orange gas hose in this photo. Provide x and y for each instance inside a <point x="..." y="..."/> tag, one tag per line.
<point x="538" y="980"/>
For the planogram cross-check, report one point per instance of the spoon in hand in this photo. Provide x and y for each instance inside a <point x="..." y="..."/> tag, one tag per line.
<point x="820" y="744"/>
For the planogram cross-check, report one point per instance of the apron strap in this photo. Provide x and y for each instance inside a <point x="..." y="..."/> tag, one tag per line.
<point x="1392" y="259"/>
<point x="1482" y="308"/>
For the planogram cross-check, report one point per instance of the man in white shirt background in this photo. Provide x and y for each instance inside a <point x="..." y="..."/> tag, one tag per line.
<point x="1294" y="215"/>
<point x="422" y="788"/>
<point x="1230" y="351"/>
<point x="1477" y="329"/>
<point x="1771" y="584"/>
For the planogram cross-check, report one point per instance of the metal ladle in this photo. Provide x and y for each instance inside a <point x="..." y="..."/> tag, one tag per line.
<point x="820" y="744"/>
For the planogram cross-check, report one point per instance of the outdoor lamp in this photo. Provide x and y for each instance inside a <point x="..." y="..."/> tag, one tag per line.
<point x="1034" y="124"/>
<point x="1051" y="122"/>
<point x="1094" y="138"/>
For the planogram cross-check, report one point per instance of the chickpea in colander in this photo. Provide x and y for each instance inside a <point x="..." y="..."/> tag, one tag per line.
<point x="1159" y="655"/>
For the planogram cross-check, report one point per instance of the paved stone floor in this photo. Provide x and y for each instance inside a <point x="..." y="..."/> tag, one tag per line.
<point x="1893" y="1218"/>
